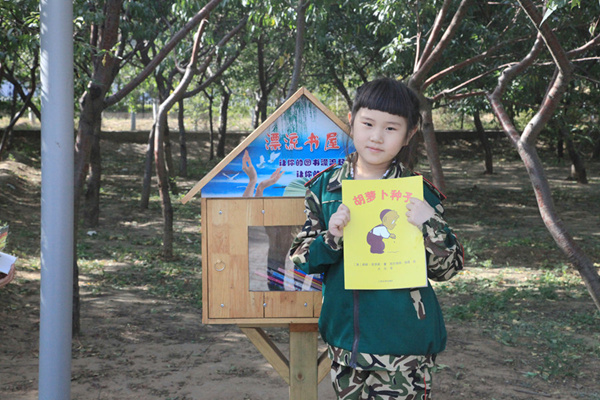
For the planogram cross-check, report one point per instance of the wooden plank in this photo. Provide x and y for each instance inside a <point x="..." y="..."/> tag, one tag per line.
<point x="227" y="262"/>
<point x="304" y="328"/>
<point x="260" y="321"/>
<point x="303" y="365"/>
<point x="323" y="366"/>
<point x="289" y="304"/>
<point x="265" y="345"/>
<point x="284" y="211"/>
<point x="242" y="146"/>
<point x="205" y="258"/>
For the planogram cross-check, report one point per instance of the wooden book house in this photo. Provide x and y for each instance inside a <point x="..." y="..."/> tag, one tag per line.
<point x="252" y="204"/>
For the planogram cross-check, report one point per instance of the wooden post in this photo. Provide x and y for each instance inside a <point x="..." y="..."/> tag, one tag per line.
<point x="303" y="362"/>
<point x="305" y="368"/>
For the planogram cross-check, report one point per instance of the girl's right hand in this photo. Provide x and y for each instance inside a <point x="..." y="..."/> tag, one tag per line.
<point x="339" y="220"/>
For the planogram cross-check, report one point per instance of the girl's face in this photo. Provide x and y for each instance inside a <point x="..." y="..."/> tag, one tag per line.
<point x="378" y="137"/>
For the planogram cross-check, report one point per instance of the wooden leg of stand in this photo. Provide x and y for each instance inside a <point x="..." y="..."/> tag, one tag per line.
<point x="303" y="362"/>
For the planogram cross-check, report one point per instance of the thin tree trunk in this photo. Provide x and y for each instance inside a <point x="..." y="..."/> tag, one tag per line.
<point x="555" y="225"/>
<point x="225" y="96"/>
<point x="163" y="189"/>
<point x="90" y="118"/>
<point x="300" y="29"/>
<point x="262" y="96"/>
<point x="159" y="152"/>
<point x="182" y="141"/>
<point x="596" y="151"/>
<point x="578" y="172"/>
<point x="169" y="158"/>
<point x="560" y="146"/>
<point x="7" y="135"/>
<point x="92" y="193"/>
<point x="489" y="166"/>
<point x="525" y="142"/>
<point x="431" y="145"/>
<point x="147" y="182"/>
<point x="211" y="127"/>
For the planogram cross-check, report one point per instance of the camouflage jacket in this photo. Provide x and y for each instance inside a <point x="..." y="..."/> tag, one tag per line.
<point x="367" y="323"/>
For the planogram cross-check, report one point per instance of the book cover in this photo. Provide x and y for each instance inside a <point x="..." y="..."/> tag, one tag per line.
<point x="382" y="250"/>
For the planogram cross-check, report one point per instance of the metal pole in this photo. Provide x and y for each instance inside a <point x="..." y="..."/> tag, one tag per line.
<point x="57" y="199"/>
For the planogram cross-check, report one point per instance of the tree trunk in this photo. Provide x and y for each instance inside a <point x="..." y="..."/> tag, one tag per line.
<point x="159" y="128"/>
<point x="431" y="146"/>
<point x="92" y="193"/>
<point x="525" y="145"/>
<point x="489" y="166"/>
<point x="89" y="119"/>
<point x="169" y="159"/>
<point x="554" y="224"/>
<point x="211" y="127"/>
<point x="596" y="151"/>
<point x="182" y="142"/>
<point x="147" y="182"/>
<point x="262" y="95"/>
<point x="5" y="141"/>
<point x="300" y="29"/>
<point x="7" y="136"/>
<point x="225" y="96"/>
<point x="578" y="172"/>
<point x="560" y="147"/>
<point x="163" y="189"/>
<point x="260" y="110"/>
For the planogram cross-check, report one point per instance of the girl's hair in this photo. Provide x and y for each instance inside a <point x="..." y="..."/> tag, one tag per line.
<point x="393" y="97"/>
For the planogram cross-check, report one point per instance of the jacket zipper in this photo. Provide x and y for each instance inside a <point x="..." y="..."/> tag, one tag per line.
<point x="354" y="355"/>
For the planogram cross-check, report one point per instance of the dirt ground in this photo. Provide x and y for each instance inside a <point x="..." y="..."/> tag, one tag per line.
<point x="137" y="346"/>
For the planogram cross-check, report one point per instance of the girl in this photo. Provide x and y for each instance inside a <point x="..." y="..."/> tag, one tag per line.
<point x="382" y="343"/>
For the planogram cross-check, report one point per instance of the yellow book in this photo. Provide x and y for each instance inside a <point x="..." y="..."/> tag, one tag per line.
<point x="382" y="250"/>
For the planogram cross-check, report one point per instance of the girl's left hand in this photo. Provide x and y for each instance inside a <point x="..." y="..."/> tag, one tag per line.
<point x="419" y="212"/>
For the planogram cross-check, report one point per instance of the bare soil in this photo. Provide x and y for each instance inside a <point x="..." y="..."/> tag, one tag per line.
<point x="134" y="345"/>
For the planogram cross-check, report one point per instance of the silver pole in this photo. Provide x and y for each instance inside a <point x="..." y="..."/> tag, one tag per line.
<point x="57" y="199"/>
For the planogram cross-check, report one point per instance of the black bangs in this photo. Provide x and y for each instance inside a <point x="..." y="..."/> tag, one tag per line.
<point x="390" y="96"/>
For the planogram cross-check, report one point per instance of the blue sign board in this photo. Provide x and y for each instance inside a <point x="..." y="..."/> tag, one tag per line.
<point x="296" y="146"/>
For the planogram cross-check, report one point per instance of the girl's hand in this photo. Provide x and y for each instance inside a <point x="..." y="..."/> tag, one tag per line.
<point x="419" y="212"/>
<point x="339" y="220"/>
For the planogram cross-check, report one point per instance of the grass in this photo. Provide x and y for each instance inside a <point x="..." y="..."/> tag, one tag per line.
<point x="525" y="312"/>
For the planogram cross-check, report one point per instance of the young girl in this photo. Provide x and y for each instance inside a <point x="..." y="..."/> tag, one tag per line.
<point x="382" y="343"/>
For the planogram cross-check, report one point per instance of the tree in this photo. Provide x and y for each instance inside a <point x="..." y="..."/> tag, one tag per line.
<point x="108" y="53"/>
<point x="160" y="125"/>
<point x="426" y="55"/>
<point x="299" y="50"/>
<point x="19" y="60"/>
<point x="336" y="62"/>
<point x="524" y="142"/>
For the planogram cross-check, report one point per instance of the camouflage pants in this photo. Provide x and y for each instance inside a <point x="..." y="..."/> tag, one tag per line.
<point x="352" y="384"/>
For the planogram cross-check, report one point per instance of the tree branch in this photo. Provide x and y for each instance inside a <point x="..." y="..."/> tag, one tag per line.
<point x="427" y="61"/>
<point x="436" y="77"/>
<point x="561" y="79"/>
<point x="508" y="75"/>
<point x="162" y="54"/>
<point x="437" y="27"/>
<point x="582" y="49"/>
<point x="458" y="96"/>
<point x="210" y="56"/>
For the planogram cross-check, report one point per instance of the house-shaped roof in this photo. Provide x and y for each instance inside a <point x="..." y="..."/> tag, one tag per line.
<point x="300" y="139"/>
